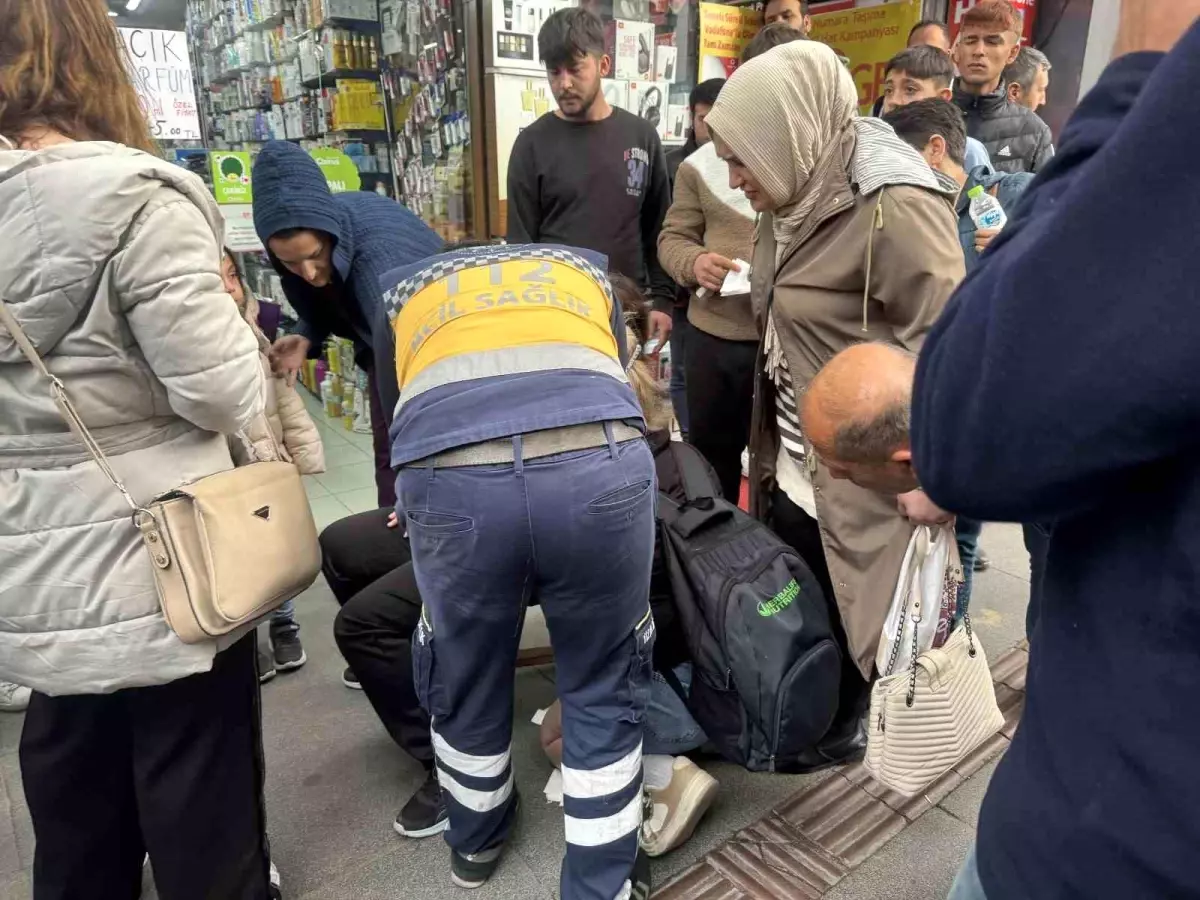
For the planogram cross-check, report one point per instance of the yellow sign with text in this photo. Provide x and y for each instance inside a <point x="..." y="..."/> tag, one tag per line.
<point x="724" y="33"/>
<point x="868" y="38"/>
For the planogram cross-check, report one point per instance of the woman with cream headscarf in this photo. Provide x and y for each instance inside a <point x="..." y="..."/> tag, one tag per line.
<point x="856" y="242"/>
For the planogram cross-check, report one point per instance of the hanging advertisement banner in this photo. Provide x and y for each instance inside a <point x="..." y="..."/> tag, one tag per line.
<point x="867" y="38"/>
<point x="162" y="74"/>
<point x="339" y="170"/>
<point x="232" y="188"/>
<point x="724" y="33"/>
<point x="1026" y="8"/>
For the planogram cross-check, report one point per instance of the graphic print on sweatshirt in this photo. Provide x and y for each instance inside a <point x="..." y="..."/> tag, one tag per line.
<point x="637" y="161"/>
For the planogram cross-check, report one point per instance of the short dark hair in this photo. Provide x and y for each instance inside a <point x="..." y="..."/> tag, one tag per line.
<point x="568" y="35"/>
<point x="706" y="93"/>
<point x="803" y="7"/>
<point x="1023" y="70"/>
<point x="929" y="23"/>
<point x="915" y="123"/>
<point x="923" y="62"/>
<point x="770" y="37"/>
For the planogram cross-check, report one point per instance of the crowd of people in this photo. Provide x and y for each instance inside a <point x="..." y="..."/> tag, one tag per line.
<point x="834" y="308"/>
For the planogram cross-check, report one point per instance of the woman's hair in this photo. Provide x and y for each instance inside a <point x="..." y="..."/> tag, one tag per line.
<point x="63" y="67"/>
<point x="650" y="393"/>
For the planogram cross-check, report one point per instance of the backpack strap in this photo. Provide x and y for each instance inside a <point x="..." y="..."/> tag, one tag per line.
<point x="693" y="472"/>
<point x="675" y="685"/>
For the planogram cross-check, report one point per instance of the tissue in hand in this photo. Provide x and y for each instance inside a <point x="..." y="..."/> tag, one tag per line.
<point x="737" y="281"/>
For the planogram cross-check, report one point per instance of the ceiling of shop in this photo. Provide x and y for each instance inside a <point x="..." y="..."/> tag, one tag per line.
<point x="167" y="14"/>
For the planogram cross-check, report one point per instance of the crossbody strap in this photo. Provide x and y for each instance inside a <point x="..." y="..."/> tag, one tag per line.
<point x="65" y="407"/>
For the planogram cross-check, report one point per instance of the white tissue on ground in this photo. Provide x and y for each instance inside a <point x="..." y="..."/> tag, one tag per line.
<point x="554" y="788"/>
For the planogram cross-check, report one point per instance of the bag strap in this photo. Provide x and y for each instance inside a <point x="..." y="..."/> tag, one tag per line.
<point x="693" y="472"/>
<point x="65" y="407"/>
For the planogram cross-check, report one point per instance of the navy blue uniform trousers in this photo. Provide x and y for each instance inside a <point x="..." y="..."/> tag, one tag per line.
<point x="576" y="532"/>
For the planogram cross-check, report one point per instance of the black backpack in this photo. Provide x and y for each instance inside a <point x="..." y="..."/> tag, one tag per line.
<point x="765" y="665"/>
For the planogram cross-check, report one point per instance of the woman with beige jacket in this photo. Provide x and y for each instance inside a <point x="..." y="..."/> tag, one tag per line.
<point x="284" y="431"/>
<point x="857" y="241"/>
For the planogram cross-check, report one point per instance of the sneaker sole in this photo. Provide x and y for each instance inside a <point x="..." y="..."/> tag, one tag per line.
<point x="267" y="676"/>
<point x="696" y="801"/>
<point x="467" y="885"/>
<point x="353" y="685"/>
<point x="291" y="666"/>
<point x="422" y="833"/>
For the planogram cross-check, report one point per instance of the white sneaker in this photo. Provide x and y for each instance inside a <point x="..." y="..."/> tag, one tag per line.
<point x="673" y="812"/>
<point x="14" y="697"/>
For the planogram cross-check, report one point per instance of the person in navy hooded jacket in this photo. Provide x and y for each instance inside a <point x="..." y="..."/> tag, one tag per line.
<point x="330" y="251"/>
<point x="1060" y="385"/>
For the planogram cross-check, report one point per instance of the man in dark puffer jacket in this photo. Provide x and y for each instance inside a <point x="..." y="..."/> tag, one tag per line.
<point x="1016" y="139"/>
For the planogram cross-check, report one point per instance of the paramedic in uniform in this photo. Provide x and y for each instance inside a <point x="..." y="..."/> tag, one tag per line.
<point x="524" y="475"/>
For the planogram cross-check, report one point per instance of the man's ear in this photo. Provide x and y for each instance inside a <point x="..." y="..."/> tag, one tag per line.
<point x="936" y="149"/>
<point x="806" y="24"/>
<point x="605" y="65"/>
<point x="1014" y="53"/>
<point x="1014" y="92"/>
<point x="902" y="455"/>
<point x="947" y="94"/>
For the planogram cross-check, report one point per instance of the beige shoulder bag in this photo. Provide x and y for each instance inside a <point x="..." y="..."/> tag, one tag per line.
<point x="925" y="719"/>
<point x="225" y="550"/>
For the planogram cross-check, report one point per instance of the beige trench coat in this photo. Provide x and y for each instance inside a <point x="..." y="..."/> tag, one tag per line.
<point x="818" y="293"/>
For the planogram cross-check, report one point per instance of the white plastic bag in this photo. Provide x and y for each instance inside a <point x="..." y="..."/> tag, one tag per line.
<point x="922" y="577"/>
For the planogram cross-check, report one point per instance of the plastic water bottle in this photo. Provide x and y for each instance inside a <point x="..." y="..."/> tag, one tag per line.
<point x="986" y="211"/>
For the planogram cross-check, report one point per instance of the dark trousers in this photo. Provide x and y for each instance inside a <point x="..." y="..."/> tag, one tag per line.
<point x="679" y="334"/>
<point x="720" y="390"/>
<point x="800" y="531"/>
<point x="385" y="478"/>
<point x="1037" y="542"/>
<point x="368" y="567"/>
<point x="174" y="770"/>
<point x="576" y="531"/>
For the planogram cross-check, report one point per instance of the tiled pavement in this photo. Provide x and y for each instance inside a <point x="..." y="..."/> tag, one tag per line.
<point x="335" y="780"/>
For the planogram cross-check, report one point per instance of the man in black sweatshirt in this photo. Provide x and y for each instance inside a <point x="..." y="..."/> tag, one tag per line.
<point x="1060" y="386"/>
<point x="588" y="175"/>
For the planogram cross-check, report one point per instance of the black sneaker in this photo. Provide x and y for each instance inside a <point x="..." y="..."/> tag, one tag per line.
<point x="982" y="563"/>
<point x="289" y="652"/>
<point x="424" y="815"/>
<point x="350" y="680"/>
<point x="471" y="871"/>
<point x="266" y="667"/>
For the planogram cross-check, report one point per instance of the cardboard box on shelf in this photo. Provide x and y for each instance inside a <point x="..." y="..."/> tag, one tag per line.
<point x="664" y="63"/>
<point x="633" y="58"/>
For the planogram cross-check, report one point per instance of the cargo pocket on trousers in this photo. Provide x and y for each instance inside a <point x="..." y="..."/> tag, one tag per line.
<point x="641" y="665"/>
<point x="422" y="653"/>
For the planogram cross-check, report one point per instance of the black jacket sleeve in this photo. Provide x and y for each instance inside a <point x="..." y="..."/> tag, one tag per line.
<point x="1065" y="363"/>
<point x="524" y="201"/>
<point x="1045" y="148"/>
<point x="654" y="209"/>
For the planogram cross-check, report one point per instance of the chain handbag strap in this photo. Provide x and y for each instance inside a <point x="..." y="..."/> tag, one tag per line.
<point x="913" y="664"/>
<point x="66" y="408"/>
<point x="920" y="552"/>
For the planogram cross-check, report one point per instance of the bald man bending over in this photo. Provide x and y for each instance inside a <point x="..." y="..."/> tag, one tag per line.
<point x="855" y="414"/>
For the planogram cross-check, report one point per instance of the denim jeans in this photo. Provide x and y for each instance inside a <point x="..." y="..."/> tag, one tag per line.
<point x="967" y="885"/>
<point x="967" y="531"/>
<point x="283" y="620"/>
<point x="670" y="729"/>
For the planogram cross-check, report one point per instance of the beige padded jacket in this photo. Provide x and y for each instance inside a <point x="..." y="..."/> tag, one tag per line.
<point x="285" y="431"/>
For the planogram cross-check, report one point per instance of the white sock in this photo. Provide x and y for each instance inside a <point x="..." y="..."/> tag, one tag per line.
<point x="657" y="770"/>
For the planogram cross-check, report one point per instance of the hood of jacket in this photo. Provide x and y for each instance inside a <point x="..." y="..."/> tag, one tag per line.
<point x="64" y="211"/>
<point x="291" y="192"/>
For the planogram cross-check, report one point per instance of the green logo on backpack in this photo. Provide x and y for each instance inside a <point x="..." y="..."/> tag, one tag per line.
<point x="780" y="601"/>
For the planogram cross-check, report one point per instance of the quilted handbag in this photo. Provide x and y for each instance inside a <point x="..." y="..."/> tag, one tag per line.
<point x="925" y="719"/>
<point x="226" y="549"/>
